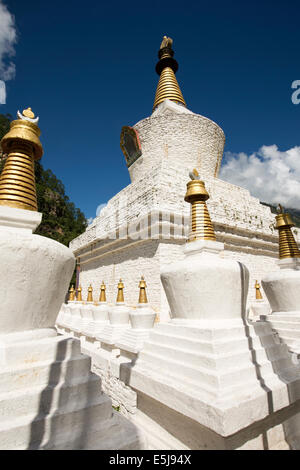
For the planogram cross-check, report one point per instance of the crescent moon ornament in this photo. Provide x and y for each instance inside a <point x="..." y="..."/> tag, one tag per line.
<point x="27" y="115"/>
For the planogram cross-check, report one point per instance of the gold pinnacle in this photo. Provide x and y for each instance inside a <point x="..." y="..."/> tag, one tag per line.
<point x="201" y="227"/>
<point x="120" y="296"/>
<point x="258" y="293"/>
<point x="79" y="294"/>
<point x="71" y="294"/>
<point x="166" y="68"/>
<point x="102" y="297"/>
<point x="28" y="113"/>
<point x="17" y="180"/>
<point x="288" y="247"/>
<point x="90" y="294"/>
<point x="143" y="295"/>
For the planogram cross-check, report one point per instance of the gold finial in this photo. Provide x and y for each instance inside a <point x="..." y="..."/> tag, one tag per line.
<point x="71" y="294"/>
<point x="258" y="293"/>
<point x="166" y="68"/>
<point x="201" y="227"/>
<point x="143" y="295"/>
<point x="79" y="294"/>
<point x="90" y="294"/>
<point x="120" y="296"/>
<point x="102" y="297"/>
<point x="28" y="113"/>
<point x="166" y="42"/>
<point x="288" y="247"/>
<point x="17" y="180"/>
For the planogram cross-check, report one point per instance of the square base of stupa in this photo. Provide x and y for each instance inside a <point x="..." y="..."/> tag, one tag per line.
<point x="224" y="386"/>
<point x="287" y="326"/>
<point x="49" y="399"/>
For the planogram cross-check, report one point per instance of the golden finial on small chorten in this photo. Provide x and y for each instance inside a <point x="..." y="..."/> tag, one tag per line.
<point x="288" y="247"/>
<point x="143" y="295"/>
<point x="23" y="146"/>
<point x="201" y="227"/>
<point x="102" y="297"/>
<point x="79" y="294"/>
<point x="166" y="68"/>
<point x="71" y="294"/>
<point x="28" y="113"/>
<point x="120" y="296"/>
<point x="90" y="294"/>
<point x="258" y="295"/>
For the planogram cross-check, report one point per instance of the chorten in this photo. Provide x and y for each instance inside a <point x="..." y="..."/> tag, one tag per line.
<point x="143" y="227"/>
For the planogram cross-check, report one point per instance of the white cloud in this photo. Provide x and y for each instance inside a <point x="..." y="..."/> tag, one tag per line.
<point x="8" y="39"/>
<point x="269" y="174"/>
<point x="2" y="92"/>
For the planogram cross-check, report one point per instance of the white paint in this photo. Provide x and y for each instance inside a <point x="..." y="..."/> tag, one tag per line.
<point x="204" y="286"/>
<point x="142" y="321"/>
<point x="283" y="291"/>
<point x="142" y="317"/>
<point x="12" y="218"/>
<point x="48" y="397"/>
<point x="34" y="277"/>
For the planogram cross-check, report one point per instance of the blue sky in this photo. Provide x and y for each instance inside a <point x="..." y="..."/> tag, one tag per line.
<point x="87" y="69"/>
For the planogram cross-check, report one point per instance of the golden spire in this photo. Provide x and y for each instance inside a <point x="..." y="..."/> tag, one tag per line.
<point x="102" y="297"/>
<point x="90" y="294"/>
<point x="258" y="293"/>
<point x="201" y="227"/>
<point x="120" y="296"/>
<point x="288" y="247"/>
<point x="166" y="67"/>
<point x="79" y="294"/>
<point x="23" y="146"/>
<point x="143" y="295"/>
<point x="71" y="294"/>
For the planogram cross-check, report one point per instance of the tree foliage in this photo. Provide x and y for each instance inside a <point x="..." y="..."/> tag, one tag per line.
<point x="62" y="221"/>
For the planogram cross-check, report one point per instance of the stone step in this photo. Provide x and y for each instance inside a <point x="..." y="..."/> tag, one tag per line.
<point x="49" y="399"/>
<point x="45" y="373"/>
<point x="209" y="377"/>
<point x="237" y="391"/>
<point x="288" y="333"/>
<point x="293" y="345"/>
<point x="111" y="436"/>
<point x="207" y="346"/>
<point x="216" y="361"/>
<point x="31" y="431"/>
<point x="284" y="317"/>
<point x="205" y="333"/>
<point x="30" y="352"/>
<point x="116" y="433"/>
<point x="284" y="325"/>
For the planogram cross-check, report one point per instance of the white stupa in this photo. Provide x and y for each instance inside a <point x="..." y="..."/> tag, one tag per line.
<point x="142" y="228"/>
<point x="49" y="399"/>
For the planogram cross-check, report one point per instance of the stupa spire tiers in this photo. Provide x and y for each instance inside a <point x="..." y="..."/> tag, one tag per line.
<point x="166" y="68"/>
<point x="288" y="247"/>
<point x="258" y="295"/>
<point x="79" y="294"/>
<point x="71" y="294"/>
<point x="120" y="296"/>
<point x="201" y="227"/>
<point x="90" y="294"/>
<point x="23" y="146"/>
<point x="102" y="297"/>
<point x="143" y="295"/>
